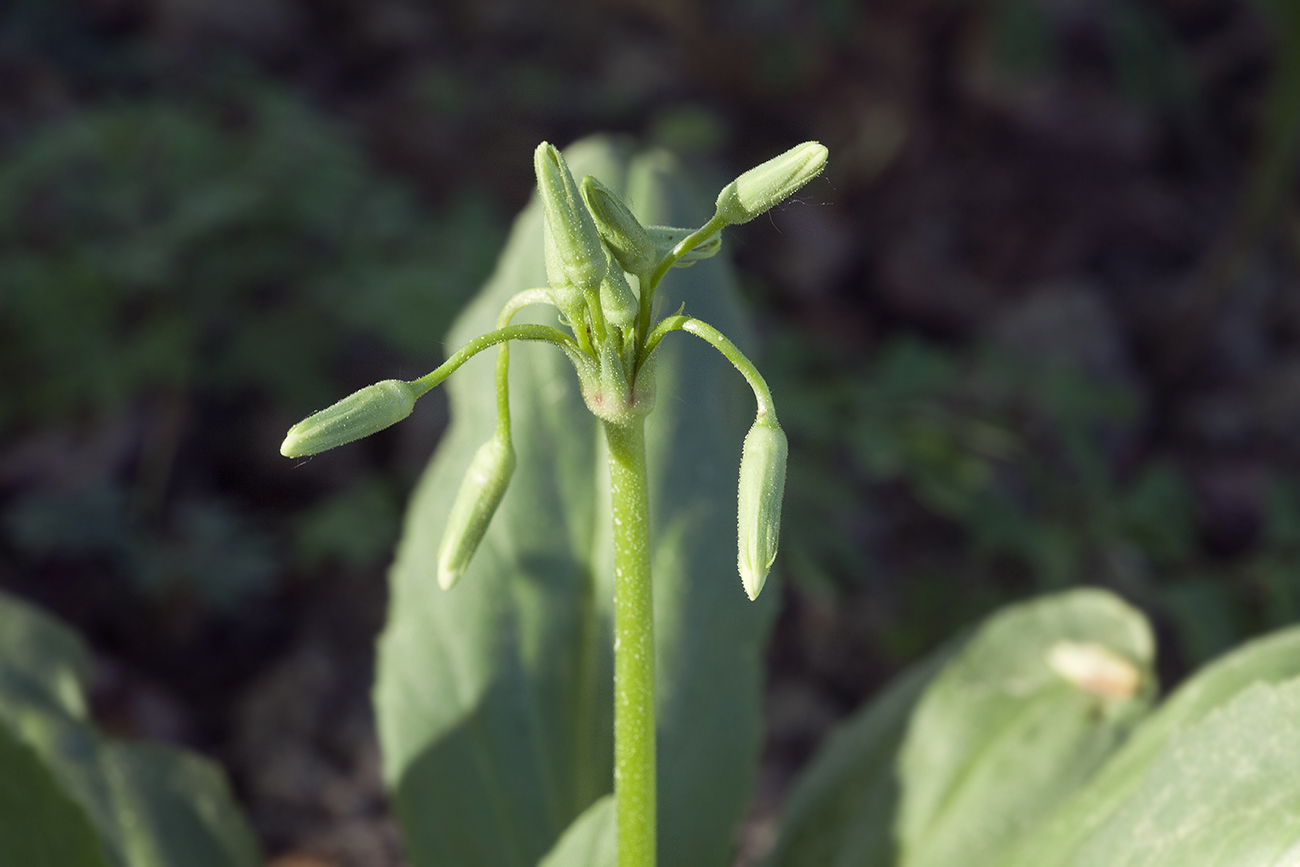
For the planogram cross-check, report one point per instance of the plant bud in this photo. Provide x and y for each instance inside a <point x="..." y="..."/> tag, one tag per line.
<point x="762" y="485"/>
<point x="480" y="493"/>
<point x="665" y="238"/>
<point x="574" y="253"/>
<point x="763" y="186"/>
<point x="368" y="411"/>
<point x="621" y="230"/>
<point x="617" y="299"/>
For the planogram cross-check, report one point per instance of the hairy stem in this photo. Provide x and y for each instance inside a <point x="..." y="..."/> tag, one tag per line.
<point x="634" y="647"/>
<point x="546" y="333"/>
<point x="720" y="342"/>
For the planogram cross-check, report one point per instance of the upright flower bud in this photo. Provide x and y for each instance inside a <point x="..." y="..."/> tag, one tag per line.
<point x="480" y="493"/>
<point x="763" y="186"/>
<point x="358" y="415"/>
<point x="617" y="300"/>
<point x="574" y="253"/>
<point x="618" y="226"/>
<point x="762" y="485"/>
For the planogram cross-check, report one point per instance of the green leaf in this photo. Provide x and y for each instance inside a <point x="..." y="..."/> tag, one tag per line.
<point x="1222" y="793"/>
<point x="494" y="699"/>
<point x="843" y="809"/>
<point x="1019" y="720"/>
<point x="1270" y="660"/>
<point x="149" y="806"/>
<point x="40" y="826"/>
<point x="591" y="841"/>
<point x="974" y="743"/>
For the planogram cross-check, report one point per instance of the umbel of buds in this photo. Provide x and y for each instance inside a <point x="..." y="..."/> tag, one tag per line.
<point x="358" y="415"/>
<point x="603" y="267"/>
<point x="758" y="513"/>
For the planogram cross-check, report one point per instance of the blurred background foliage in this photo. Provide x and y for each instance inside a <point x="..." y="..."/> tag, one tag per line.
<point x="1039" y="325"/>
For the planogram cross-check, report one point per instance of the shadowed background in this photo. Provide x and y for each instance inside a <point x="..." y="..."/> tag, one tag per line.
<point x="1037" y="325"/>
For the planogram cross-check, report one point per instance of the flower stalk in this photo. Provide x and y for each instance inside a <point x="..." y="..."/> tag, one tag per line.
<point x="603" y="267"/>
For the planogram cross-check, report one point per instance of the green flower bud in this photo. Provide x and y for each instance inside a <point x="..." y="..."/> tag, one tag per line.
<point x="480" y="493"/>
<point x="763" y="186"/>
<point x="574" y="253"/>
<point x="665" y="238"/>
<point x="617" y="299"/>
<point x="621" y="230"/>
<point x="368" y="411"/>
<point x="762" y="485"/>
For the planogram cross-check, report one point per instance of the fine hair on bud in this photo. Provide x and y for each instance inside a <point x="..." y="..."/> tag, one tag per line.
<point x="758" y="512"/>
<point x="627" y="239"/>
<point x="762" y="187"/>
<point x="573" y="249"/>
<point x="358" y="415"/>
<point x="476" y="502"/>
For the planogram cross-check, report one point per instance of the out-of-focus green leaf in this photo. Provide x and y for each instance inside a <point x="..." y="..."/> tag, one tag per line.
<point x="843" y="810"/>
<point x="591" y="841"/>
<point x="148" y="806"/>
<point x="40" y="826"/>
<point x="1060" y="841"/>
<point x="1224" y="792"/>
<point x="1017" y="722"/>
<point x="977" y="742"/>
<point x="495" y="699"/>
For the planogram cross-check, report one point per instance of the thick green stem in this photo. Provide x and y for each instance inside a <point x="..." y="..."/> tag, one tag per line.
<point x="634" y="647"/>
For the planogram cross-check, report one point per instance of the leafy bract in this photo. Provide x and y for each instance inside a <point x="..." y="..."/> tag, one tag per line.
<point x="494" y="699"/>
<point x="142" y="805"/>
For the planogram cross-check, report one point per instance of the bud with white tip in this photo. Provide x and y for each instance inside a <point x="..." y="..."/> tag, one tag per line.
<point x="358" y="415"/>
<point x="480" y="493"/>
<point x="762" y="187"/>
<point x="762" y="486"/>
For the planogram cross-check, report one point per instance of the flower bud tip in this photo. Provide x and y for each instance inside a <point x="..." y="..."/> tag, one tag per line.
<point x="358" y="415"/>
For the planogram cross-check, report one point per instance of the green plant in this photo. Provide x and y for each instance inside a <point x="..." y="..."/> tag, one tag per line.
<point x="595" y="249"/>
<point x="72" y="797"/>
<point x="1033" y="738"/>
<point x="1029" y="740"/>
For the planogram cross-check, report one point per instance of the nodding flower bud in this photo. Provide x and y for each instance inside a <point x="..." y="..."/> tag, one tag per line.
<point x="762" y="485"/>
<point x="480" y="493"/>
<point x="621" y="230"/>
<point x="358" y="415"/>
<point x="665" y="238"/>
<point x="617" y="300"/>
<point x="574" y="253"/>
<point x="763" y="186"/>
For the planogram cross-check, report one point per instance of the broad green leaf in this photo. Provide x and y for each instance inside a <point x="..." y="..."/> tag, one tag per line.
<point x="149" y="806"/>
<point x="1224" y="792"/>
<point x="40" y="826"/>
<point x="494" y="699"/>
<point x="1019" y="720"/>
<point x="174" y="808"/>
<point x="1269" y="660"/>
<point x="591" y="841"/>
<point x="843" y="810"/>
<point x="41" y="661"/>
